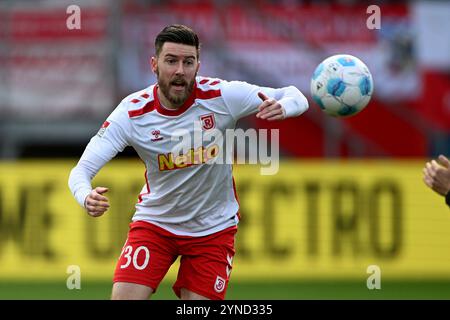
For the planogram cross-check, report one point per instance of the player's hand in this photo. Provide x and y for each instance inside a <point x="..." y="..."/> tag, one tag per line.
<point x="437" y="175"/>
<point x="270" y="109"/>
<point x="96" y="204"/>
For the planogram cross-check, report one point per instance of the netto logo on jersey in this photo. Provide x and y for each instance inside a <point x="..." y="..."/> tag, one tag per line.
<point x="193" y="157"/>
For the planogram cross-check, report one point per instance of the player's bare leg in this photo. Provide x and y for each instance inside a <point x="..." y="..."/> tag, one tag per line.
<point x="189" y="295"/>
<point x="130" y="291"/>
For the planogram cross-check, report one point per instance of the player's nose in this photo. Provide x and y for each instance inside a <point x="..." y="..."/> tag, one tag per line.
<point x="180" y="68"/>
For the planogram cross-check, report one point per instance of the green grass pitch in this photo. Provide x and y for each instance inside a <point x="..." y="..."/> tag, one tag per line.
<point x="292" y="290"/>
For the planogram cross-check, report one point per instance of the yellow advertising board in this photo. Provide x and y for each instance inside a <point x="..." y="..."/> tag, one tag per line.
<point x="312" y="220"/>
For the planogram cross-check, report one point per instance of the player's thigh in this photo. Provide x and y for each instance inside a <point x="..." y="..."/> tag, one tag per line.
<point x="130" y="291"/>
<point x="185" y="294"/>
<point x="206" y="264"/>
<point x="145" y="259"/>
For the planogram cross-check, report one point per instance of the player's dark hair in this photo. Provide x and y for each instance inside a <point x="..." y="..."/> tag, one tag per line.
<point x="177" y="33"/>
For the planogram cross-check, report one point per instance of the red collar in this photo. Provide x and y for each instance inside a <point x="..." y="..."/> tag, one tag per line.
<point x="175" y="112"/>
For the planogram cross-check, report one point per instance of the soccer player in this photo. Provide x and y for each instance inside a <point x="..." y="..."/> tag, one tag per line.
<point x="436" y="175"/>
<point x="188" y="206"/>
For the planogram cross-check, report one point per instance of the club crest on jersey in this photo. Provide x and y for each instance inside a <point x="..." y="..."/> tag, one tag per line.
<point x="156" y="134"/>
<point x="219" y="285"/>
<point x="208" y="121"/>
<point x="102" y="130"/>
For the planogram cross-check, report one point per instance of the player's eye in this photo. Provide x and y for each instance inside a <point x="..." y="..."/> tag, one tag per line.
<point x="171" y="61"/>
<point x="189" y="62"/>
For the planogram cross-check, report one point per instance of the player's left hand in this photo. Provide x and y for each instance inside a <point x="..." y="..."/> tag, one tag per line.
<point x="270" y="109"/>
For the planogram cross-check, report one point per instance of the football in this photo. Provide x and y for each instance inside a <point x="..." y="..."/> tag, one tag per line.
<point x="342" y="85"/>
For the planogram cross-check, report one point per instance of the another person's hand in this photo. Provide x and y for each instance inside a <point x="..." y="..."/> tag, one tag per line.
<point x="437" y="175"/>
<point x="96" y="204"/>
<point x="270" y="109"/>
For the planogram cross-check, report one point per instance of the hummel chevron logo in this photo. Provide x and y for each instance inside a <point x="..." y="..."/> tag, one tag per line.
<point x="156" y="135"/>
<point x="230" y="260"/>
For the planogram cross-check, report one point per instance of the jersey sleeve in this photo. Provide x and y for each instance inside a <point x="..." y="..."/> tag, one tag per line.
<point x="241" y="99"/>
<point x="112" y="138"/>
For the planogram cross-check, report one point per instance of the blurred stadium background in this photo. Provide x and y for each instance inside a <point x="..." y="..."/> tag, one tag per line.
<point x="349" y="193"/>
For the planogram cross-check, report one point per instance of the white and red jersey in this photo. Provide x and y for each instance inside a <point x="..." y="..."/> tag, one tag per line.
<point x="184" y="197"/>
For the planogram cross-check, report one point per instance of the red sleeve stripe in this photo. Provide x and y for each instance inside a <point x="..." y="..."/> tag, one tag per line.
<point x="210" y="94"/>
<point x="145" y="95"/>
<point x="203" y="81"/>
<point x="214" y="83"/>
<point x="135" y="100"/>
<point x="149" y="107"/>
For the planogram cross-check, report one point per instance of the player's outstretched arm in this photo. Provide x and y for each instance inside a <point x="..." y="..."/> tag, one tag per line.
<point x="96" y="203"/>
<point x="243" y="99"/>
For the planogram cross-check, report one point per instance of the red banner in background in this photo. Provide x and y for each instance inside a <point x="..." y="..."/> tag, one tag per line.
<point x="312" y="25"/>
<point x="50" y="24"/>
<point x="54" y="72"/>
<point x="435" y="102"/>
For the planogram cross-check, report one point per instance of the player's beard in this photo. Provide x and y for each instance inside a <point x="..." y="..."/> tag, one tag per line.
<point x="176" y="99"/>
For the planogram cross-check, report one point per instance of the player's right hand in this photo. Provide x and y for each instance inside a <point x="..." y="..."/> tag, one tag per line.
<point x="270" y="109"/>
<point x="95" y="203"/>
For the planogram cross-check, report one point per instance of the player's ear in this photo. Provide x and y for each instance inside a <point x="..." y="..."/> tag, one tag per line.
<point x="154" y="64"/>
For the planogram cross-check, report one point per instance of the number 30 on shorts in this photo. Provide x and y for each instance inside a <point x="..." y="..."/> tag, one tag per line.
<point x="130" y="256"/>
